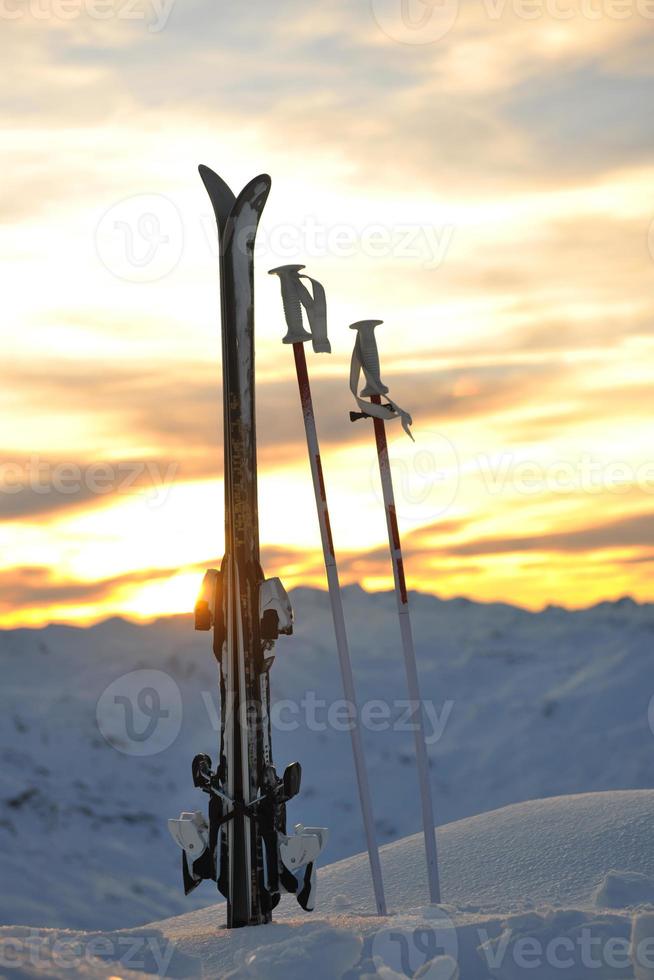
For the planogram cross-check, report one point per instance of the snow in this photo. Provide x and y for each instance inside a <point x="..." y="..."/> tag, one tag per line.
<point x="521" y="887"/>
<point x="540" y="762"/>
<point x="531" y="706"/>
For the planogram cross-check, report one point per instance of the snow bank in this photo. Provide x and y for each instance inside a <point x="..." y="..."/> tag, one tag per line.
<point x="522" y="706"/>
<point x="551" y="852"/>
<point x="522" y="886"/>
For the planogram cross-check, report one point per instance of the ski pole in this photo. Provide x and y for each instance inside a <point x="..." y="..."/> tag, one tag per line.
<point x="294" y="296"/>
<point x="365" y="357"/>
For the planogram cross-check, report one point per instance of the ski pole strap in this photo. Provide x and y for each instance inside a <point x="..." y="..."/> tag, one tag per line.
<point x="365" y="357"/>
<point x="296" y="297"/>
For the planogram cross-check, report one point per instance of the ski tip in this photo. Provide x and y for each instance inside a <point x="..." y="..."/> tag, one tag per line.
<point x="207" y="174"/>
<point x="261" y="185"/>
<point x="255" y="192"/>
<point x="221" y="196"/>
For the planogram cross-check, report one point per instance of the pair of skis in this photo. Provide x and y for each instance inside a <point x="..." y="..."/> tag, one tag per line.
<point x="244" y="845"/>
<point x="297" y="298"/>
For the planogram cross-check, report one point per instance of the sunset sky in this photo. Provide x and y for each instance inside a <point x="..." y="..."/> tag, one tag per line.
<point x="479" y="176"/>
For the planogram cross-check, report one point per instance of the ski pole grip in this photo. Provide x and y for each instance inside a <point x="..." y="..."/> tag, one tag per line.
<point x="296" y="334"/>
<point x="369" y="356"/>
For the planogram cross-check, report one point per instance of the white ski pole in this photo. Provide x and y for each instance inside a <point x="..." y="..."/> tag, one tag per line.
<point x="294" y="296"/>
<point x="365" y="357"/>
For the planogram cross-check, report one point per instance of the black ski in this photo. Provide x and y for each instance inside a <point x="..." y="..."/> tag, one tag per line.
<point x="243" y="754"/>
<point x="244" y="846"/>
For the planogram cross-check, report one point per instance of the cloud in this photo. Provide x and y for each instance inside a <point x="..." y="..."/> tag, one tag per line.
<point x="530" y="139"/>
<point x="23" y="588"/>
<point x="499" y="98"/>
<point x="37" y="487"/>
<point x="626" y="532"/>
<point x="181" y="409"/>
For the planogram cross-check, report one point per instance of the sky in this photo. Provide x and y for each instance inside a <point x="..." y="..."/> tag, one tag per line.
<point x="478" y="174"/>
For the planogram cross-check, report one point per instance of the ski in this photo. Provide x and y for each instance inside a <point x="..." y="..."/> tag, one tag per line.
<point x="244" y="846"/>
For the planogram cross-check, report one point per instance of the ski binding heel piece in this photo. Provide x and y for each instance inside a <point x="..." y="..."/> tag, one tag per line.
<point x="275" y="609"/>
<point x="190" y="832"/>
<point x="298" y="853"/>
<point x="302" y="847"/>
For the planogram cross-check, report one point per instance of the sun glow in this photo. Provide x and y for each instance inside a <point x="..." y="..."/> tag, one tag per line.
<point x="510" y="253"/>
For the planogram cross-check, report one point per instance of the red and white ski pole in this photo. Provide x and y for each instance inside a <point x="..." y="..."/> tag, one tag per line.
<point x="295" y="296"/>
<point x="365" y="357"/>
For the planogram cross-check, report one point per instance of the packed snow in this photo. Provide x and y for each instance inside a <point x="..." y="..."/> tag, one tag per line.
<point x="522" y="898"/>
<point x="98" y="727"/>
<point x="519" y="706"/>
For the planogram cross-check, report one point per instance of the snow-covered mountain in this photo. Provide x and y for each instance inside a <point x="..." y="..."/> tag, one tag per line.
<point x="557" y="889"/>
<point x="98" y="727"/>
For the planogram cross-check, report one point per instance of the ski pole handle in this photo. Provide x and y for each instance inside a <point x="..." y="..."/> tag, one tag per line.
<point x="289" y="280"/>
<point x="369" y="356"/>
<point x="288" y="275"/>
<point x="365" y="357"/>
<point x="295" y="297"/>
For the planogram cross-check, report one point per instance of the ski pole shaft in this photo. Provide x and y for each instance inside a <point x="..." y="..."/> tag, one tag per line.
<point x="409" y="655"/>
<point x="339" y="621"/>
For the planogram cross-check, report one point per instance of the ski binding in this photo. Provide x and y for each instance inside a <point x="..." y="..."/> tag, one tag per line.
<point x="290" y="858"/>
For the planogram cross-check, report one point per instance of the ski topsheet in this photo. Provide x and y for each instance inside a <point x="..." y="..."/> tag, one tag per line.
<point x="242" y="847"/>
<point x="243" y="736"/>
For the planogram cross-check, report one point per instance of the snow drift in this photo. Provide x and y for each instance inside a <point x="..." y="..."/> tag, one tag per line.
<point x="521" y="886"/>
<point x="522" y="706"/>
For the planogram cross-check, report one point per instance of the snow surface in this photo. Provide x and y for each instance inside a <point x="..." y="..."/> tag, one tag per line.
<point x="536" y="705"/>
<point x="521" y="886"/>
